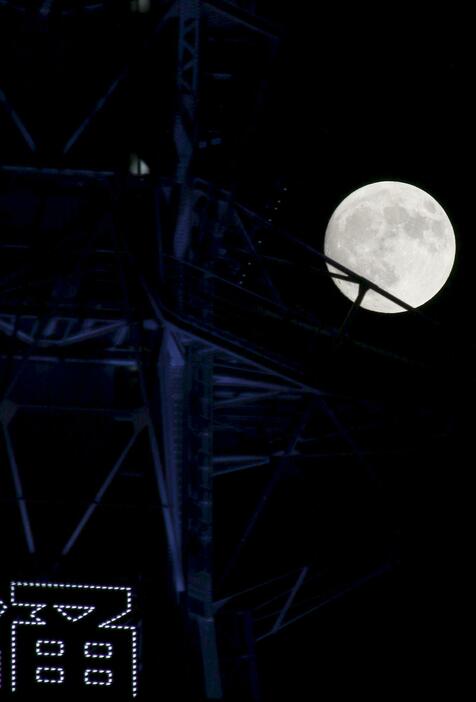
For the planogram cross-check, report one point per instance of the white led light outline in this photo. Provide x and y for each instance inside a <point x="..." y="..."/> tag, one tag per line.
<point x="101" y="683"/>
<point x="88" y="654"/>
<point x="67" y="586"/>
<point x="105" y="625"/>
<point x="3" y="607"/>
<point x="47" y="669"/>
<point x="49" y="642"/>
<point x="13" y="642"/>
<point x="83" y="611"/>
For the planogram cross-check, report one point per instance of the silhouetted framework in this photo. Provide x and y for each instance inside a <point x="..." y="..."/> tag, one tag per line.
<point x="168" y="354"/>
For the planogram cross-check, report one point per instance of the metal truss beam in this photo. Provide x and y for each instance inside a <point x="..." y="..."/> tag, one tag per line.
<point x="236" y="464"/>
<point x="98" y="107"/>
<point x="342" y="271"/>
<point x="44" y="8"/>
<point x="232" y="12"/>
<point x="210" y="660"/>
<point x="268" y="491"/>
<point x="17" y="481"/>
<point x="200" y="570"/>
<point x="258" y="598"/>
<point x="280" y="619"/>
<point x="109" y="358"/>
<point x="17" y="121"/>
<point x="179" y="402"/>
<point x="246" y="398"/>
<point x="114" y="85"/>
<point x="187" y="85"/>
<point x="91" y="329"/>
<point x="101" y="492"/>
<point x="186" y="125"/>
<point x="273" y="311"/>
<point x="250" y="388"/>
<point x="234" y="596"/>
<point x="62" y="173"/>
<point x="218" y="342"/>
<point x="171" y="370"/>
<point x="152" y="423"/>
<point x="324" y="601"/>
<point x="241" y="352"/>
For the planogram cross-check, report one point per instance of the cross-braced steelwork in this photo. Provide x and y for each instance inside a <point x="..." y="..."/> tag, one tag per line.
<point x="176" y="392"/>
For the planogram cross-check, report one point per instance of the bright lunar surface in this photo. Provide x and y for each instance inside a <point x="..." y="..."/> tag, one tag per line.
<point x="395" y="235"/>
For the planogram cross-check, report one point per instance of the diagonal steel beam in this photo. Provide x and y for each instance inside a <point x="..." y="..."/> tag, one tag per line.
<point x="175" y="553"/>
<point x="103" y="100"/>
<point x="217" y="342"/>
<point x="17" y="481"/>
<point x="100" y="494"/>
<point x="231" y="12"/>
<point x="268" y="491"/>
<point x="279" y="621"/>
<point x="363" y="289"/>
<point x="114" y="85"/>
<point x="64" y="173"/>
<point x="360" y="582"/>
<point x="226" y="599"/>
<point x="242" y="465"/>
<point x="247" y="397"/>
<point x="17" y="121"/>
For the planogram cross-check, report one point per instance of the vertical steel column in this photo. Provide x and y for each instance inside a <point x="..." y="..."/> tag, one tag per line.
<point x="199" y="566"/>
<point x="185" y="128"/>
<point x="171" y="368"/>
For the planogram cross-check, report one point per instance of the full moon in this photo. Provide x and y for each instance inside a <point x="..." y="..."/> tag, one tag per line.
<point x="395" y="235"/>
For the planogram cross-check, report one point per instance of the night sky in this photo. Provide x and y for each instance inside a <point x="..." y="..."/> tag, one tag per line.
<point x="358" y="99"/>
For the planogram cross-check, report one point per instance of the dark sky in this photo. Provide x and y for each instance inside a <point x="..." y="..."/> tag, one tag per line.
<point x="357" y="99"/>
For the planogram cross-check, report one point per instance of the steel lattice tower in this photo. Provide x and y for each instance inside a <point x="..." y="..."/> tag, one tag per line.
<point x="147" y="322"/>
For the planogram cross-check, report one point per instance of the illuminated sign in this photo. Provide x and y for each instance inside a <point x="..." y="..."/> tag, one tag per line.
<point x="68" y="637"/>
